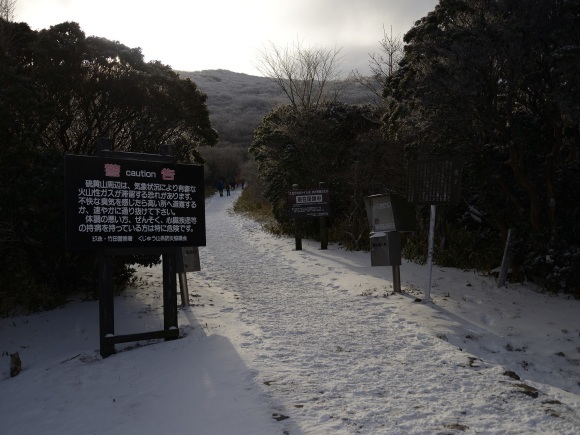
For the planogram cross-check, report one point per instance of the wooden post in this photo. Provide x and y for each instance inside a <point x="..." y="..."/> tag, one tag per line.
<point x="298" y="235"/>
<point x="297" y="229"/>
<point x="169" y="292"/>
<point x="323" y="227"/>
<point x="106" y="304"/>
<point x="181" y="273"/>
<point x="505" y="261"/>
<point x="107" y="336"/>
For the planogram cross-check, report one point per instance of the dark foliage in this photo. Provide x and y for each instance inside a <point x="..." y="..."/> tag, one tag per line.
<point x="338" y="144"/>
<point x="497" y="83"/>
<point x="237" y="104"/>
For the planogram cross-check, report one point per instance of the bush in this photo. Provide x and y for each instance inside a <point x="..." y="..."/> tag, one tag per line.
<point x="36" y="266"/>
<point x="463" y="249"/>
<point x="253" y="204"/>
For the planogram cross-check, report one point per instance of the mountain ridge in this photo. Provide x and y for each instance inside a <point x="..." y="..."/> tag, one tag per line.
<point x="238" y="102"/>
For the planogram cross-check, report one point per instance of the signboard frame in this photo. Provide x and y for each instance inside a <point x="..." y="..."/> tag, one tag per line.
<point x="161" y="189"/>
<point x="113" y="202"/>
<point x="434" y="182"/>
<point x="305" y="203"/>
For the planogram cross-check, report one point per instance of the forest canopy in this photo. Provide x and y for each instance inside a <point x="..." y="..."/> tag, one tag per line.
<point x="497" y="84"/>
<point x="493" y="83"/>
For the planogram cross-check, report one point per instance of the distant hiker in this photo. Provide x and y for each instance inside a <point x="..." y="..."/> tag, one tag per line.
<point x="228" y="188"/>
<point x="220" y="187"/>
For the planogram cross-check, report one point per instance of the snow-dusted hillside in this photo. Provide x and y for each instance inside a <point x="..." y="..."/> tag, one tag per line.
<point x="238" y="102"/>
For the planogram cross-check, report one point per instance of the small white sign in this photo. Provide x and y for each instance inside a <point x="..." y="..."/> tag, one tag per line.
<point x="191" y="261"/>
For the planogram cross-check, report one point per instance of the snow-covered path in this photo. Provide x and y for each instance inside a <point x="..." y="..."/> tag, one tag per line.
<point x="278" y="341"/>
<point x="341" y="353"/>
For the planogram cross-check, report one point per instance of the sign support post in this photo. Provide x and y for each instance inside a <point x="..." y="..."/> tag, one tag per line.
<point x="430" y="250"/>
<point x="124" y="203"/>
<point x="309" y="203"/>
<point x="187" y="261"/>
<point x="323" y="226"/>
<point x="184" y="290"/>
<point x="169" y="293"/>
<point x="505" y="261"/>
<point x="297" y="232"/>
<point x="433" y="182"/>
<point x="106" y="304"/>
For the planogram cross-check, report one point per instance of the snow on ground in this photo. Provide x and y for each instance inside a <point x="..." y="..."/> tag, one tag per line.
<point x="279" y="341"/>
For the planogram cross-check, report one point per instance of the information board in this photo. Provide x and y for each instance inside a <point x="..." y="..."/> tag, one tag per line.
<point x="434" y="181"/>
<point x="117" y="203"/>
<point x="309" y="203"/>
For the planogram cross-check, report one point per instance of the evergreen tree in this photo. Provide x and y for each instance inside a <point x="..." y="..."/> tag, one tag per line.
<point x="61" y="91"/>
<point x="497" y="83"/>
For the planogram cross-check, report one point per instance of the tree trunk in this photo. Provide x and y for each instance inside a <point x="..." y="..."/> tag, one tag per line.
<point x="517" y="164"/>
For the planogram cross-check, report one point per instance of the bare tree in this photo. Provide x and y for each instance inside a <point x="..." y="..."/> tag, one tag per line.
<point x="7" y="9"/>
<point x="7" y="14"/>
<point x="307" y="76"/>
<point x="383" y="64"/>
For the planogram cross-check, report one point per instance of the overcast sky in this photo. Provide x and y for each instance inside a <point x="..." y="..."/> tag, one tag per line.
<point x="194" y="35"/>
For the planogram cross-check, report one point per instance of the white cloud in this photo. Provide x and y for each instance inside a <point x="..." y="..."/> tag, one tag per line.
<point x="194" y="35"/>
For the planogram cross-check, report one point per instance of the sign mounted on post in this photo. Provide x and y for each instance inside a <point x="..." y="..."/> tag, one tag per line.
<point x="124" y="203"/>
<point x="118" y="203"/>
<point x="309" y="203"/>
<point x="434" y="182"/>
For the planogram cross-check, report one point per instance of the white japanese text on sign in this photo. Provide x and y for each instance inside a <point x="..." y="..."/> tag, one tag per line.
<point x="133" y="203"/>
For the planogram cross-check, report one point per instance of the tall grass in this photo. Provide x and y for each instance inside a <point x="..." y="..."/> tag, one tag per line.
<point x="253" y="204"/>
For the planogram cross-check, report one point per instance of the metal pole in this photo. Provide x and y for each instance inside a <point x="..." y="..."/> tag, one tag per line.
<point x="430" y="253"/>
<point x="169" y="292"/>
